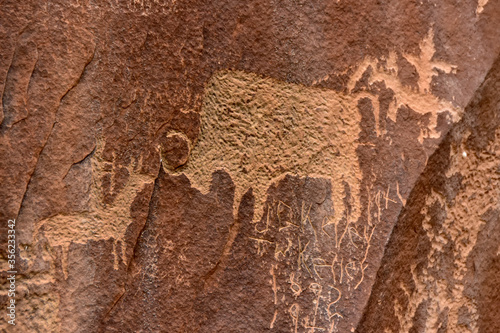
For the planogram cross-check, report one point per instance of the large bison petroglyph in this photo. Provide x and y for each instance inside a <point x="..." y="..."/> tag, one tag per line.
<point x="259" y="129"/>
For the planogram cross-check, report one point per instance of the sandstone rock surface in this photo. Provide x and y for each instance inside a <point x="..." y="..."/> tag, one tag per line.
<point x="250" y="166"/>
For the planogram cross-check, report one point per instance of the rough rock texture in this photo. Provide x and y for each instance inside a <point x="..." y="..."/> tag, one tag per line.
<point x="440" y="272"/>
<point x="239" y="166"/>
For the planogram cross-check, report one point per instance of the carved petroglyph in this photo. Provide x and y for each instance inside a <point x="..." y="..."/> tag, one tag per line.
<point x="294" y="313"/>
<point x="422" y="101"/>
<point x="453" y="239"/>
<point x="480" y="6"/>
<point x="362" y="264"/>
<point x="101" y="221"/>
<point x="426" y="66"/>
<point x="403" y="201"/>
<point x="294" y="286"/>
<point x="259" y="129"/>
<point x="274" y="319"/>
<point x="260" y="244"/>
<point x="319" y="275"/>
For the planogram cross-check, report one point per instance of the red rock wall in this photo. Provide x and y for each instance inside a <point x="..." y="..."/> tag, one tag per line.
<point x="441" y="265"/>
<point x="228" y="166"/>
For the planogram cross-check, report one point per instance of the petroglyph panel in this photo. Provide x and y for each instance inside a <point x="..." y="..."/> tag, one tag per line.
<point x="316" y="264"/>
<point x="258" y="129"/>
<point x="267" y="134"/>
<point x="291" y="134"/>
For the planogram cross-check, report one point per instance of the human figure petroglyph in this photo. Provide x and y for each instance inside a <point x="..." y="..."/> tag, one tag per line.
<point x="300" y="257"/>
<point x="280" y="212"/>
<point x="387" y="198"/>
<point x="283" y="251"/>
<point x="363" y="266"/>
<point x="316" y="289"/>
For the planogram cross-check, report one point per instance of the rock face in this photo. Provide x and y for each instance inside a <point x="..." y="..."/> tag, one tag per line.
<point x="229" y="166"/>
<point x="441" y="268"/>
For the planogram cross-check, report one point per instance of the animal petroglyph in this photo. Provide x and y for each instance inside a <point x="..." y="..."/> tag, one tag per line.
<point x="258" y="129"/>
<point x="420" y="100"/>
<point x="100" y="221"/>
